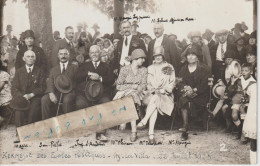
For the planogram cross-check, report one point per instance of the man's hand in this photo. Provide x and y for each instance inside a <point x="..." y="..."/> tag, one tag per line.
<point x="53" y="98"/>
<point x="28" y="96"/>
<point x="75" y="63"/>
<point x="233" y="79"/>
<point x="115" y="71"/>
<point x="94" y="76"/>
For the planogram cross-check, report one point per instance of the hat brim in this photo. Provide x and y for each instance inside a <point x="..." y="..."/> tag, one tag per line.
<point x="17" y="108"/>
<point x="215" y="91"/>
<point x="88" y="96"/>
<point x="63" y="90"/>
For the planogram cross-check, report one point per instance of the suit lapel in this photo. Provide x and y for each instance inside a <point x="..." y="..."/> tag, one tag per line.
<point x="152" y="44"/>
<point x="163" y="41"/>
<point x="24" y="76"/>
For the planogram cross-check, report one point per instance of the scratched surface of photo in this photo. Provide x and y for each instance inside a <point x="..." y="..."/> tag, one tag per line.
<point x="128" y="82"/>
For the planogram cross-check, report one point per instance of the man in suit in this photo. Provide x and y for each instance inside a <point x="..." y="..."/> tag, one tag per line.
<point x="217" y="52"/>
<point x="51" y="96"/>
<point x="41" y="59"/>
<point x="171" y="52"/>
<point x="97" y="71"/>
<point x="100" y="71"/>
<point x="126" y="46"/>
<point x="67" y="42"/>
<point x="28" y="83"/>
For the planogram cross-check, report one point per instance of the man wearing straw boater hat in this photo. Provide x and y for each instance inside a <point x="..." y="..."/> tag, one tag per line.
<point x="60" y="87"/>
<point x="27" y="89"/>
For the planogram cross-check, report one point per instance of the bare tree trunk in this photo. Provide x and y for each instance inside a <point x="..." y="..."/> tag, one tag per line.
<point x="118" y="12"/>
<point x="255" y="15"/>
<point x="41" y="23"/>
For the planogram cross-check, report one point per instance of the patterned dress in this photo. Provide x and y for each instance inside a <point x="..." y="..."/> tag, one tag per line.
<point x="127" y="81"/>
<point x="5" y="94"/>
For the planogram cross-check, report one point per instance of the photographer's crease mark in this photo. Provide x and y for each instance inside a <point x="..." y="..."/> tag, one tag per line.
<point x="67" y="125"/>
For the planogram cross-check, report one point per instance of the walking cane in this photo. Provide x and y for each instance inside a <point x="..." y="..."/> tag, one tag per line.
<point x="210" y="83"/>
<point x="59" y="104"/>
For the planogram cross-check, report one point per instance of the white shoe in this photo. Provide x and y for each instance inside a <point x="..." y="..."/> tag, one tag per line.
<point x="253" y="157"/>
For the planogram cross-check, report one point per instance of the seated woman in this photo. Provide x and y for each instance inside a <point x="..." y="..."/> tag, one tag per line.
<point x="194" y="88"/>
<point x="5" y="91"/>
<point x="159" y="97"/>
<point x="132" y="82"/>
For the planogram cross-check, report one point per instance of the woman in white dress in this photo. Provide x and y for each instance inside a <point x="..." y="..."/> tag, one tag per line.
<point x="159" y="97"/>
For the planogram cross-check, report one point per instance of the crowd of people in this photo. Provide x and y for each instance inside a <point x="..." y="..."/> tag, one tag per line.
<point x="163" y="75"/>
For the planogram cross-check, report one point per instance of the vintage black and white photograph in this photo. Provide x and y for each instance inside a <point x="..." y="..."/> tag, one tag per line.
<point x="128" y="82"/>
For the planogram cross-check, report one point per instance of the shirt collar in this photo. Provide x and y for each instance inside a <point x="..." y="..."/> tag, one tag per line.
<point x="27" y="68"/>
<point x="246" y="82"/>
<point x="159" y="38"/>
<point x="128" y="37"/>
<point x="67" y="40"/>
<point x="98" y="62"/>
<point x="66" y="64"/>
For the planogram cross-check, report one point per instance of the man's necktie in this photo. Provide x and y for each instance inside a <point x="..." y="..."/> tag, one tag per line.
<point x="222" y="52"/>
<point x="71" y="45"/>
<point x="95" y="65"/>
<point x="126" y="41"/>
<point x="63" y="69"/>
<point x="30" y="76"/>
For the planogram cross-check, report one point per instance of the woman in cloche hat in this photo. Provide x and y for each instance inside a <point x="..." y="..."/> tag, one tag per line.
<point x="159" y="96"/>
<point x="131" y="82"/>
<point x="194" y="89"/>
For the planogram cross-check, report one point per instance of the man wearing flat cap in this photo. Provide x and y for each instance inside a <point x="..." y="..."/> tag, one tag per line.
<point x="217" y="52"/>
<point x="57" y="85"/>
<point x="171" y="52"/>
<point x="41" y="59"/>
<point x="28" y="83"/>
<point x="67" y="43"/>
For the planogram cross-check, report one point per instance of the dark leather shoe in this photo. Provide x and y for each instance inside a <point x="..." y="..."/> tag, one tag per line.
<point x="184" y="136"/>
